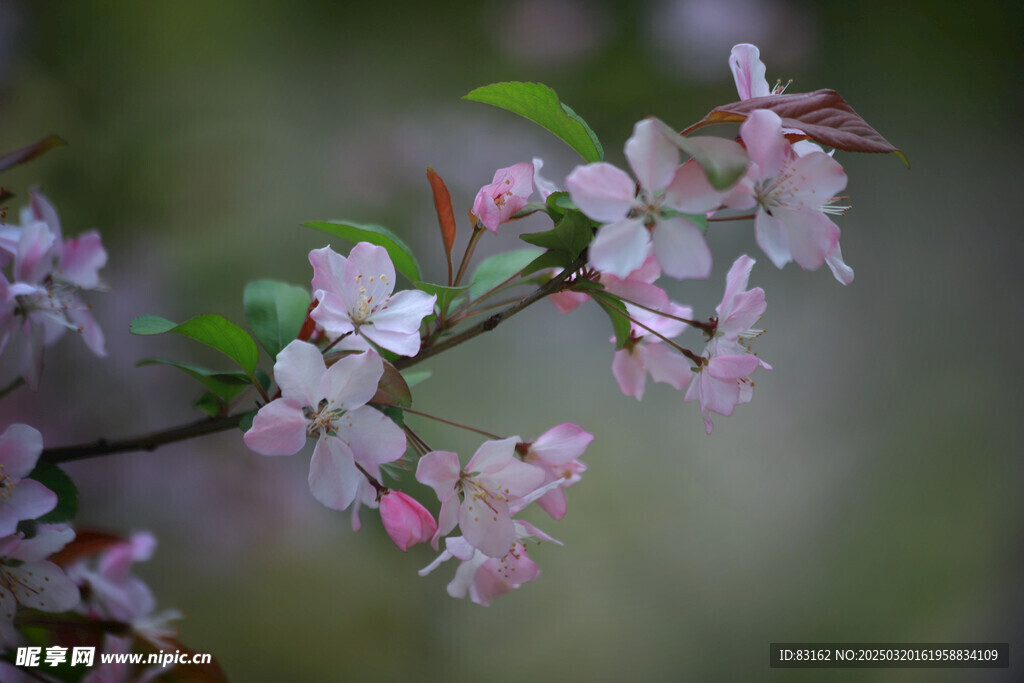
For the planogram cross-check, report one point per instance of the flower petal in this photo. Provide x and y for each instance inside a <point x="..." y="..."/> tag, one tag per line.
<point x="279" y="428"/>
<point x="620" y="248"/>
<point x="652" y="156"/>
<point x="681" y="249"/>
<point x="333" y="477"/>
<point x="602" y="191"/>
<point x="298" y="371"/>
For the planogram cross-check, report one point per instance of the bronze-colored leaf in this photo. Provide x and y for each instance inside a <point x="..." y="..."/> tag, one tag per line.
<point x="823" y="114"/>
<point x="445" y="215"/>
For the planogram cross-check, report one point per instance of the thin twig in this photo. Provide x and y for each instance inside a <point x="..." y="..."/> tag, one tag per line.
<point x="148" y="442"/>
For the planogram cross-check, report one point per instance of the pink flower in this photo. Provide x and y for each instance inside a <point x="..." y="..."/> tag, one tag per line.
<point x="29" y="579"/>
<point x="508" y="193"/>
<point x="484" y="577"/>
<point x="406" y="520"/>
<point x="640" y="216"/>
<point x="357" y="295"/>
<point x="112" y="591"/>
<point x="41" y="303"/>
<point x="20" y="498"/>
<point x="723" y="379"/>
<point x="793" y="188"/>
<point x="328" y="404"/>
<point x="492" y="482"/>
<point x="556" y="452"/>
<point x="646" y="352"/>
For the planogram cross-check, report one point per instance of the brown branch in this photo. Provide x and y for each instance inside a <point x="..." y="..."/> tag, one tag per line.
<point x="147" y="442"/>
<point x="550" y="287"/>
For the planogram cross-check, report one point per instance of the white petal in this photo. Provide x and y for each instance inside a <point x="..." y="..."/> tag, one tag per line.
<point x="652" y="156"/>
<point x="333" y="477"/>
<point x="681" y="249"/>
<point x="620" y="248"/>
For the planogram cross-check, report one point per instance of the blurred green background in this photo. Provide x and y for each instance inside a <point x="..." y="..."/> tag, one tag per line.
<point x="868" y="493"/>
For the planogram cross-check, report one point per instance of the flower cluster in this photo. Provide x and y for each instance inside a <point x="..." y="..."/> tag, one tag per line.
<point x="498" y="482"/>
<point x="39" y="300"/>
<point x="342" y="348"/>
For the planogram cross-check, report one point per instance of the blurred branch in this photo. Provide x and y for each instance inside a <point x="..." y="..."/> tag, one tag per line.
<point x="148" y="442"/>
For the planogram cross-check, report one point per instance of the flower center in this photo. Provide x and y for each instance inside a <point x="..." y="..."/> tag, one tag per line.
<point x="6" y="484"/>
<point x="322" y="420"/>
<point x="366" y="304"/>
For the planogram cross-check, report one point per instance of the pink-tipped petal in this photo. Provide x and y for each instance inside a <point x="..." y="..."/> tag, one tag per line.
<point x="602" y="191"/>
<point x="652" y="156"/>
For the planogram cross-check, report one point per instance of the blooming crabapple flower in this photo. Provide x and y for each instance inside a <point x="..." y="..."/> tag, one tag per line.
<point x="646" y="353"/>
<point x="724" y="377"/>
<point x="792" y="194"/>
<point x="636" y="215"/>
<point x="356" y="295"/>
<point x="41" y="303"/>
<point x="328" y="404"/>
<point x="493" y="481"/>
<point x="20" y="498"/>
<point x="485" y="577"/>
<point x="406" y="521"/>
<point x="749" y="73"/>
<point x="29" y="579"/>
<point x="111" y="590"/>
<point x="556" y="453"/>
<point x="508" y="192"/>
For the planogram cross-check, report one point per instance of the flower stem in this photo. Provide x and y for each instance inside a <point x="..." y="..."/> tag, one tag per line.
<point x="470" y="248"/>
<point x="451" y="422"/>
<point x="148" y="442"/>
<point x="686" y="352"/>
<point x="708" y="327"/>
<point x="552" y="286"/>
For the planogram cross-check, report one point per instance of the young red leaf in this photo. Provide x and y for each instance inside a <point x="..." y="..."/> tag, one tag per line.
<point x="445" y="215"/>
<point x="823" y="114"/>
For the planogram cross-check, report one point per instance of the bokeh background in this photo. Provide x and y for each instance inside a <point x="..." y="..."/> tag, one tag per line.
<point x="870" y="492"/>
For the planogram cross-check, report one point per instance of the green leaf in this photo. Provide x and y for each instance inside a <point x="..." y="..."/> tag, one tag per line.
<point x="210" y="329"/>
<point x="540" y="104"/>
<point x="446" y="296"/>
<point x="530" y="209"/>
<point x="723" y="160"/>
<point x="245" y="422"/>
<point x="55" y="479"/>
<point x="616" y="311"/>
<point x="209" y="403"/>
<point x="496" y="269"/>
<point x="549" y="259"/>
<point x="571" y="235"/>
<point x="400" y="253"/>
<point x="414" y="377"/>
<point x="561" y="202"/>
<point x="698" y="219"/>
<point x="224" y="384"/>
<point x="276" y="312"/>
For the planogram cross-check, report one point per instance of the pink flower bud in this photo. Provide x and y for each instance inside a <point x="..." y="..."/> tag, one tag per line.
<point x="406" y="521"/>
